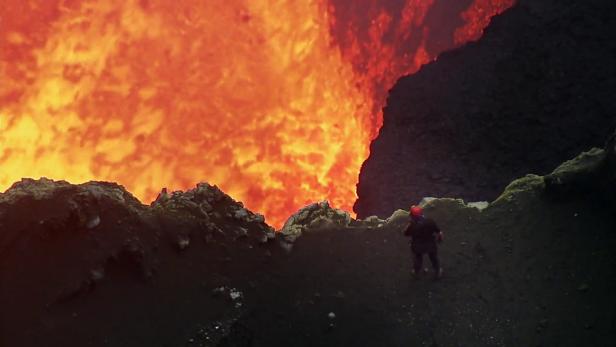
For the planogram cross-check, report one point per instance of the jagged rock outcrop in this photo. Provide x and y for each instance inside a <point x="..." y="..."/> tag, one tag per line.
<point x="316" y="215"/>
<point x="67" y="206"/>
<point x="213" y="209"/>
<point x="64" y="245"/>
<point x="534" y="91"/>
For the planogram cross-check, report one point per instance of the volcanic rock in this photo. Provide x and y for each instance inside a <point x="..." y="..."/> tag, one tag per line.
<point x="526" y="261"/>
<point x="578" y="173"/>
<point x="511" y="267"/>
<point x="65" y="247"/>
<point x="534" y="91"/>
<point x="316" y="215"/>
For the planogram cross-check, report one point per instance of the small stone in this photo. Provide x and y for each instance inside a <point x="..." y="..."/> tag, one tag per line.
<point x="480" y="205"/>
<point x="241" y="214"/>
<point x="97" y="274"/>
<point x="218" y="291"/>
<point x="235" y="294"/>
<point x="242" y="232"/>
<point x="331" y="315"/>
<point x="259" y="218"/>
<point x="183" y="243"/>
<point x="271" y="234"/>
<point x="93" y="222"/>
<point x="263" y="238"/>
<point x="372" y="219"/>
<point x="206" y="207"/>
<point x="287" y="246"/>
<point x="583" y="287"/>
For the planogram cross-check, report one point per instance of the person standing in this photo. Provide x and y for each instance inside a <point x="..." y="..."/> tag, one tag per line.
<point x="425" y="235"/>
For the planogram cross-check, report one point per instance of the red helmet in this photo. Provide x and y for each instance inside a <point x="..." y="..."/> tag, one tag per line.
<point x="416" y="211"/>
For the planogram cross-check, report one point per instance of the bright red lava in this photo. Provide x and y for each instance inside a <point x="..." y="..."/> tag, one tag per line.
<point x="276" y="102"/>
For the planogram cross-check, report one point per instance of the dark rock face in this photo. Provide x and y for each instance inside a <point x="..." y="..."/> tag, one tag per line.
<point x="535" y="90"/>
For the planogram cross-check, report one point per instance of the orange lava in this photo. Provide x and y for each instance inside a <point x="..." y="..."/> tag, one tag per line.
<point x="257" y="97"/>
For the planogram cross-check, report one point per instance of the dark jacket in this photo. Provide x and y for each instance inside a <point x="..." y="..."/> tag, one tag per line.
<point x="423" y="232"/>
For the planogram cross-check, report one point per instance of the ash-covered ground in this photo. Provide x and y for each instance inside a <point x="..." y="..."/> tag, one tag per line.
<point x="535" y="90"/>
<point x="88" y="265"/>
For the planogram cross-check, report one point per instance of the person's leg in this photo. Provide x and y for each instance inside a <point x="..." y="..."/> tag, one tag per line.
<point x="417" y="262"/>
<point x="436" y="265"/>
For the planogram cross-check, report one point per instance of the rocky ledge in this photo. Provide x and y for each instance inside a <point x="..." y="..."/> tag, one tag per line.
<point x="89" y="265"/>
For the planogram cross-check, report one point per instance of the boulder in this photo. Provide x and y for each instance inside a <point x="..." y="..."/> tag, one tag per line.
<point x="315" y="215"/>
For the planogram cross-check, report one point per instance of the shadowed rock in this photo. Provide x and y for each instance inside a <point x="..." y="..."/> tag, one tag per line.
<point x="534" y="91"/>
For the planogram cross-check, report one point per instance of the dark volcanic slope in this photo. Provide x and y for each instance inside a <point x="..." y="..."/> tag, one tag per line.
<point x="537" y="89"/>
<point x="88" y="265"/>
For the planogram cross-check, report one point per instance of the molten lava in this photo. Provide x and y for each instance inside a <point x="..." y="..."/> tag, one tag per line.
<point x="276" y="102"/>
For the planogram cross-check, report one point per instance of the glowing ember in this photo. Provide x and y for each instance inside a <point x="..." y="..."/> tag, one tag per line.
<point x="258" y="97"/>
